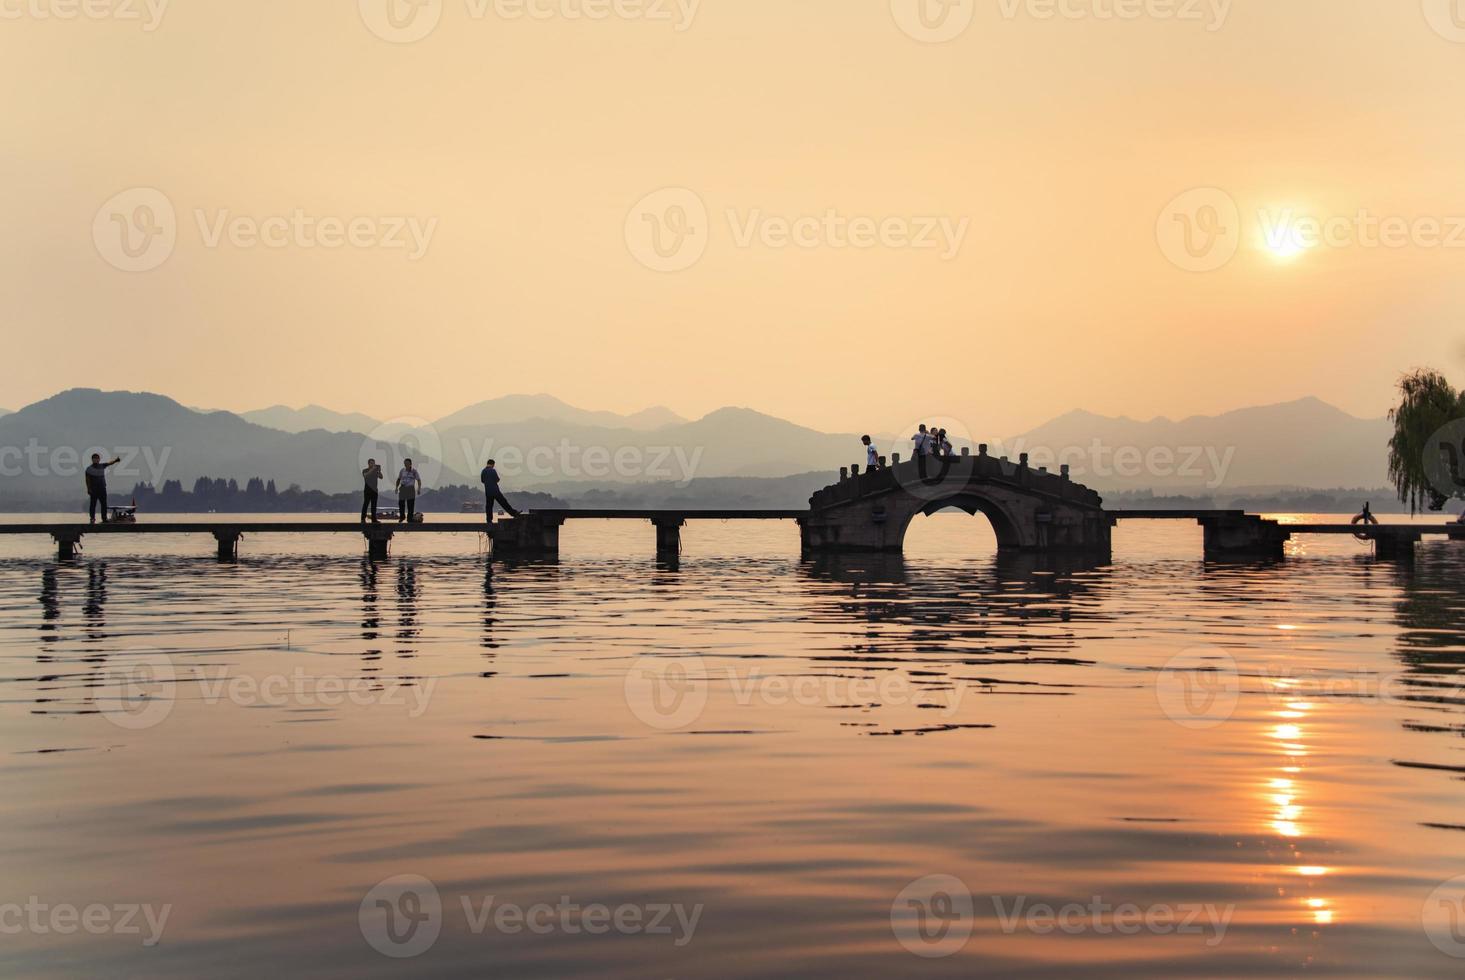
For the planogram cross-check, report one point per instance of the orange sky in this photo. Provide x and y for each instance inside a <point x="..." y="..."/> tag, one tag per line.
<point x="521" y="149"/>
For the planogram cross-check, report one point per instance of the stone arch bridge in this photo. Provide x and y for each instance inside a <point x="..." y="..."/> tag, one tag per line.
<point x="1031" y="510"/>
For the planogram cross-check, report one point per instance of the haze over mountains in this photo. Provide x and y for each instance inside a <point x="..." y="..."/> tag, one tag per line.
<point x="540" y="441"/>
<point x="497" y="411"/>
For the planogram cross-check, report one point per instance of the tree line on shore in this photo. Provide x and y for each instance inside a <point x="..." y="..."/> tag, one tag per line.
<point x="261" y="496"/>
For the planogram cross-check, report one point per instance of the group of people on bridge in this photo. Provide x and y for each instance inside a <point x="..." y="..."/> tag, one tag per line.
<point x="409" y="485"/>
<point x="928" y="443"/>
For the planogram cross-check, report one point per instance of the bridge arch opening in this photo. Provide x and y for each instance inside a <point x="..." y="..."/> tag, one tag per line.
<point x="936" y="528"/>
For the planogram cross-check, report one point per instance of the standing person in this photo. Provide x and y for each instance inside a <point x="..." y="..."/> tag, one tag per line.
<point x="409" y="481"/>
<point x="370" y="475"/>
<point x="96" y="486"/>
<point x="872" y="455"/>
<point x="945" y="446"/>
<point x="922" y="445"/>
<point x="493" y="494"/>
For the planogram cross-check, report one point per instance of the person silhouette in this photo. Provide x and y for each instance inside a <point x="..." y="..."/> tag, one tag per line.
<point x="409" y="482"/>
<point x="492" y="493"/>
<point x="96" y="486"/>
<point x="370" y="476"/>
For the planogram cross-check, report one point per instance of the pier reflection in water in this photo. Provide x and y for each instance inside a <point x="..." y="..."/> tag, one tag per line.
<point x="787" y="744"/>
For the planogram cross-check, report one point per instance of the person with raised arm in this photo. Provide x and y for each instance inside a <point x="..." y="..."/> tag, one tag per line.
<point x="96" y="486"/>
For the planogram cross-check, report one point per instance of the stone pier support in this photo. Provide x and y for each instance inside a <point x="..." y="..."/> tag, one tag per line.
<point x="228" y="544"/>
<point x="378" y="542"/>
<point x="1394" y="547"/>
<point x="527" y="536"/>
<point x="669" y="537"/>
<point x="66" y="545"/>
<point x="1244" y="537"/>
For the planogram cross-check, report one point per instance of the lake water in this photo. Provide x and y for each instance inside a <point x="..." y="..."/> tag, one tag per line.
<point x="744" y="766"/>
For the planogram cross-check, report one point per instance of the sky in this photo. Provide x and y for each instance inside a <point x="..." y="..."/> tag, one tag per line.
<point x="854" y="214"/>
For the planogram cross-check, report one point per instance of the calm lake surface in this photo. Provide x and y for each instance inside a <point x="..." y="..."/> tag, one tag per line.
<point x="746" y="766"/>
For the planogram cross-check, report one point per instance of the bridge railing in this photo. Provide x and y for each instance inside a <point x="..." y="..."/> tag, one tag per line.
<point x="957" y="472"/>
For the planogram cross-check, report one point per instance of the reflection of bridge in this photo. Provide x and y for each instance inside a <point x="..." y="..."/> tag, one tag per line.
<point x="1031" y="510"/>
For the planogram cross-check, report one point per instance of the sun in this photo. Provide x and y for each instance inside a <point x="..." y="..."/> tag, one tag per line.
<point x="1286" y="244"/>
<point x="1286" y="233"/>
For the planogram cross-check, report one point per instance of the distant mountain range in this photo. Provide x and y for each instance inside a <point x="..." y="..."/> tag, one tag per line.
<point x="498" y="411"/>
<point x="310" y="417"/>
<point x="1305" y="443"/>
<point x="543" y="443"/>
<point x="159" y="439"/>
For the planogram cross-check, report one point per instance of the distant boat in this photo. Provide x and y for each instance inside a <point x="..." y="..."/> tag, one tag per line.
<point x="393" y="514"/>
<point x="122" y="514"/>
<point x="470" y="507"/>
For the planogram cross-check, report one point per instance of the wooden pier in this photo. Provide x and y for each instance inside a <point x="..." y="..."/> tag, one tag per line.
<point x="1228" y="533"/>
<point x="535" y="533"/>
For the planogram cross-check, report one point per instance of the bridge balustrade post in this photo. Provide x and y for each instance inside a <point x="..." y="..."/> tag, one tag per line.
<point x="1064" y="471"/>
<point x="843" y="473"/>
<point x="895" y="459"/>
<point x="982" y="449"/>
<point x="966" y="451"/>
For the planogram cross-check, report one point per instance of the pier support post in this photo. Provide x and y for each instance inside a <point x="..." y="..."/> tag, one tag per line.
<point x="66" y="545"/>
<point x="1244" y="537"/>
<point x="1394" y="547"/>
<point x="668" y="537"/>
<point x="377" y="541"/>
<point x="228" y="544"/>
<point x="527" y="536"/>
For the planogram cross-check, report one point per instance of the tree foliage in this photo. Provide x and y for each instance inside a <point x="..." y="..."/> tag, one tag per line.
<point x="1427" y="402"/>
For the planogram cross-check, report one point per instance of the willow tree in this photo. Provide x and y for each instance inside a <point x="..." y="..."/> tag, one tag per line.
<point x="1427" y="404"/>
